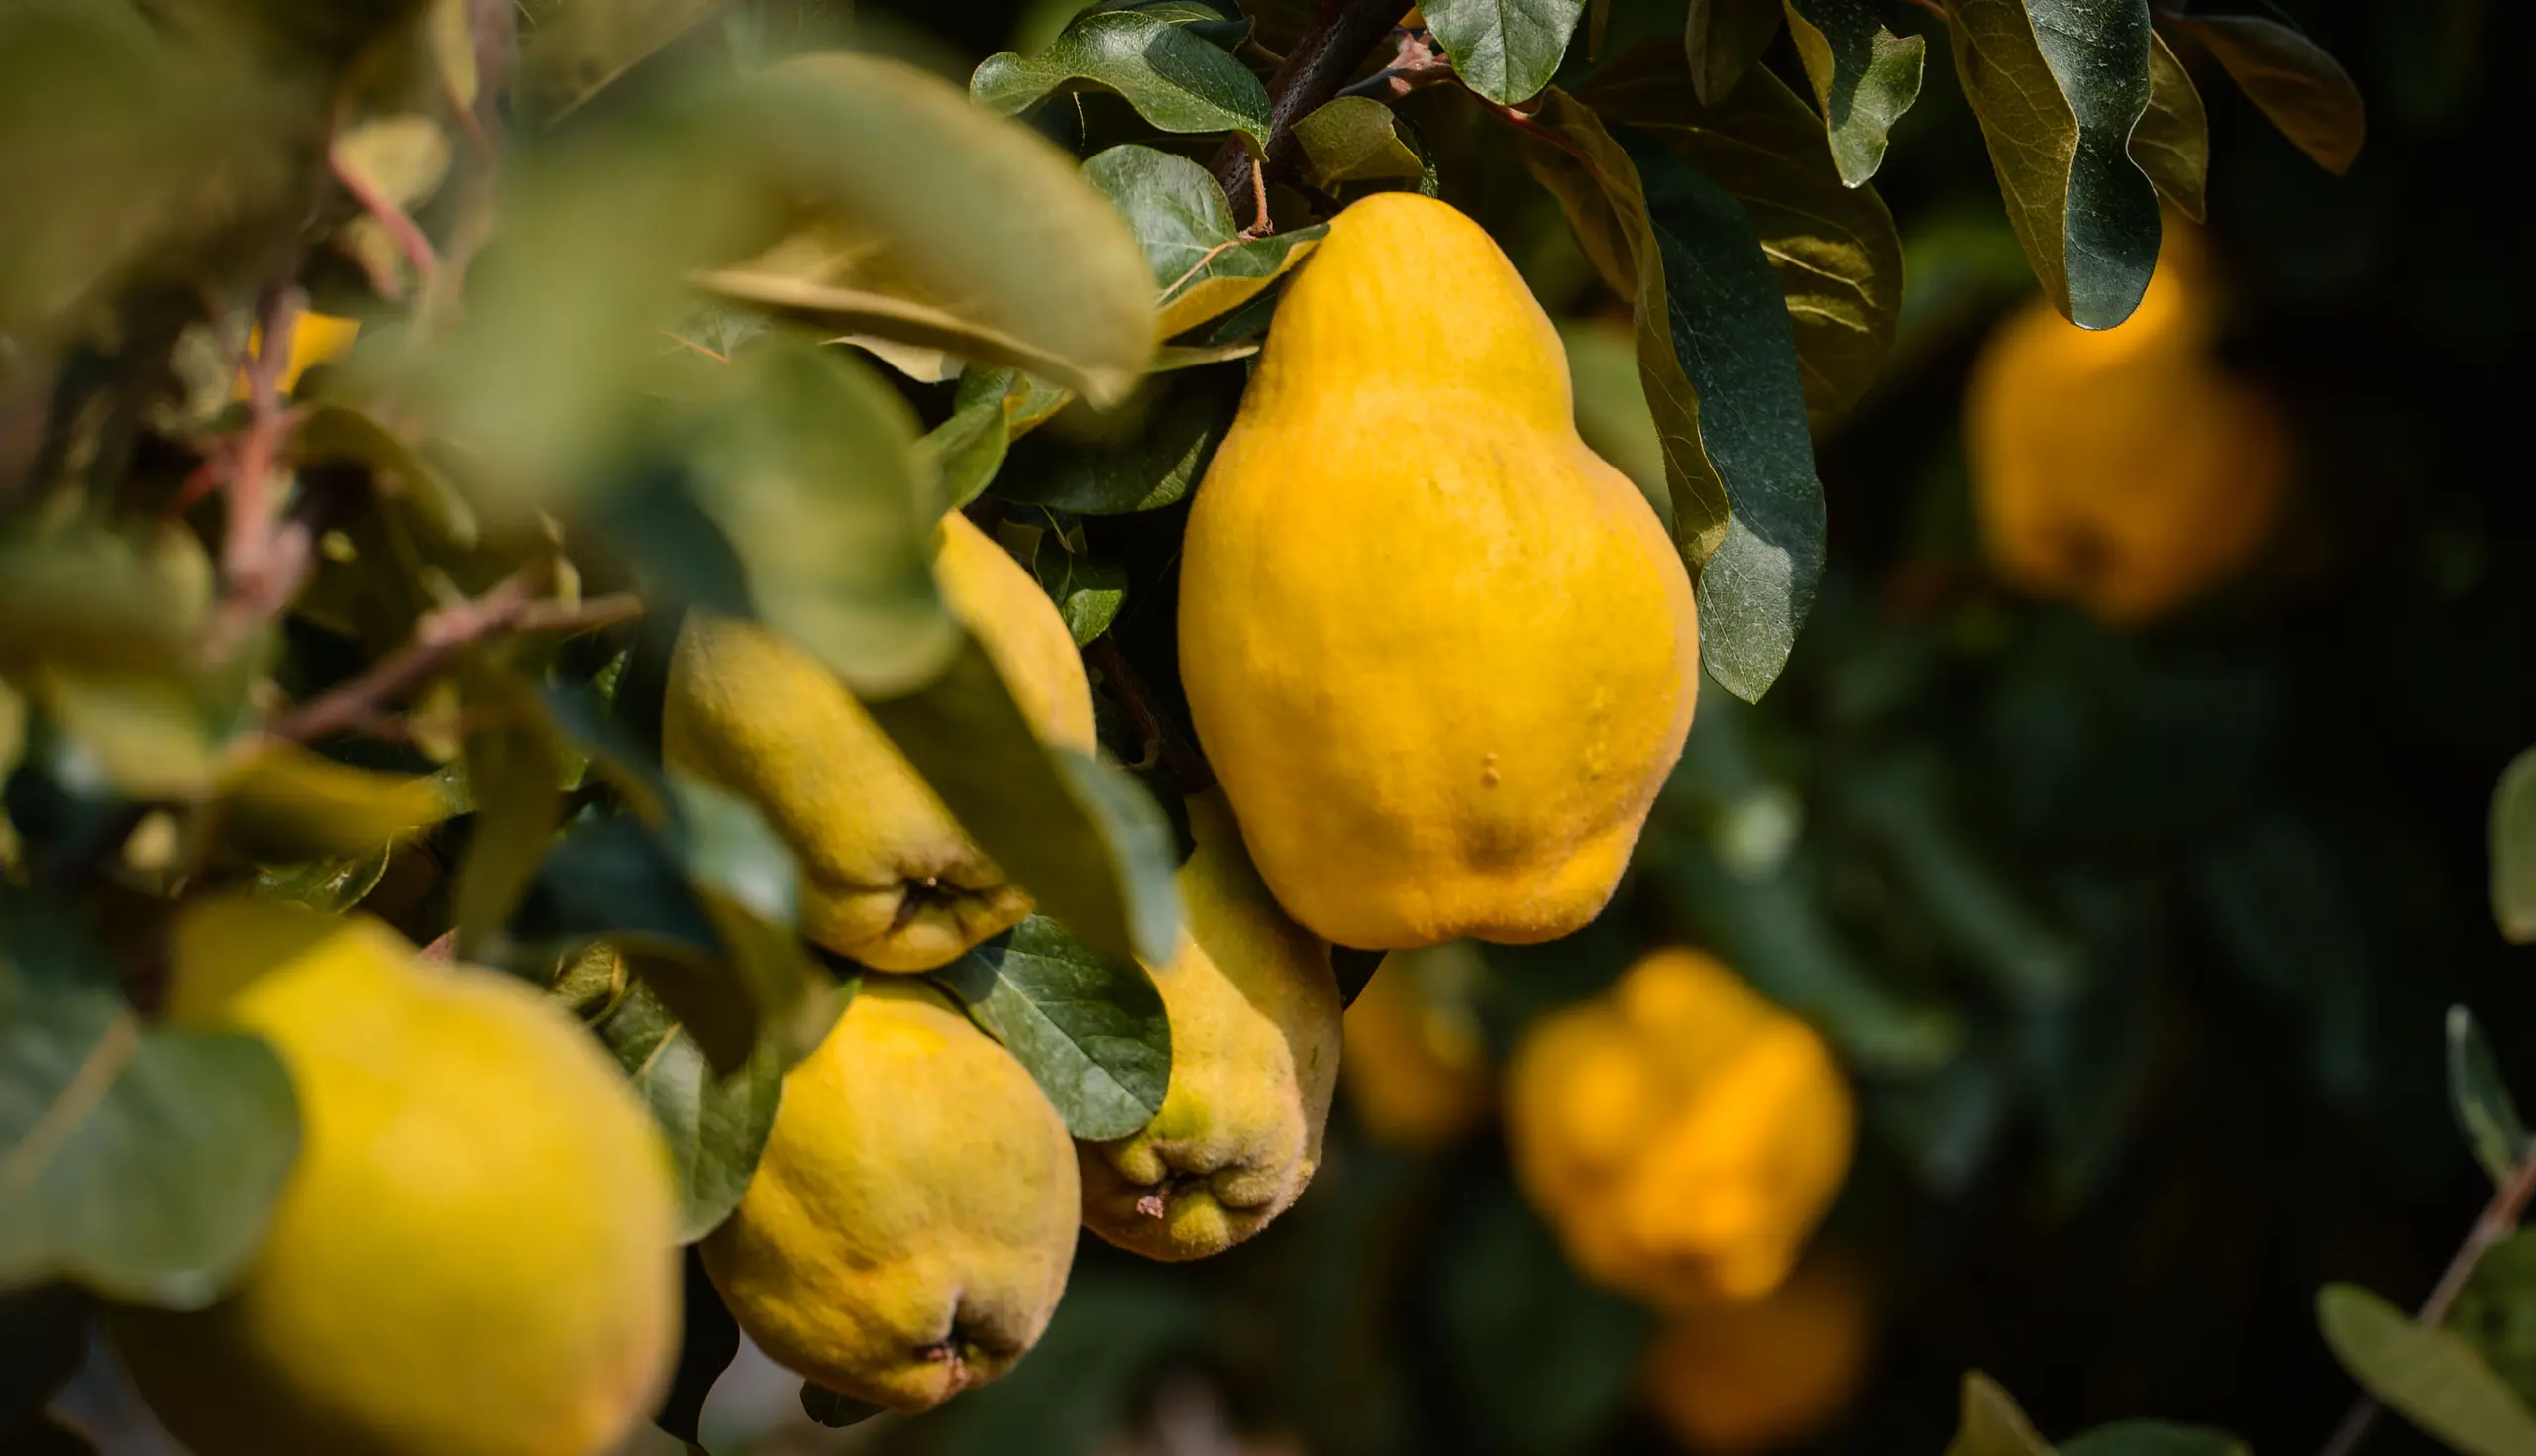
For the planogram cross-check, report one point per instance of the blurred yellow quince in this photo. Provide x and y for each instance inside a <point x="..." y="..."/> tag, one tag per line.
<point x="1416" y="1069"/>
<point x="1740" y="1378"/>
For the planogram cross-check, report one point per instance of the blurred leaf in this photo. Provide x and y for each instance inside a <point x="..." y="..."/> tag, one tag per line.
<point x="2154" y="1438"/>
<point x="332" y="432"/>
<point x="810" y="470"/>
<point x="141" y="1161"/>
<point x="2513" y="849"/>
<point x="1200" y="261"/>
<point x="2059" y="86"/>
<point x="1088" y="590"/>
<point x="1864" y="76"/>
<point x="1175" y="78"/>
<point x="2172" y="143"/>
<point x="1723" y="40"/>
<point x="1354" y="139"/>
<point x="328" y="887"/>
<point x="2430" y="1377"/>
<point x="2495" y="1312"/>
<point x="1083" y="837"/>
<point x="1993" y="1423"/>
<point x="835" y="1411"/>
<point x="715" y="1124"/>
<point x="1153" y="461"/>
<point x="2305" y="91"/>
<point x="2285" y="912"/>
<point x="2486" y="1112"/>
<point x="1722" y="380"/>
<point x="1834" y="249"/>
<point x="601" y="731"/>
<point x="279" y="802"/>
<point x="750" y="887"/>
<point x="588" y="43"/>
<point x="708" y="1341"/>
<point x="44" y="1336"/>
<point x="147" y="736"/>
<point x="103" y="602"/>
<point x="516" y="776"/>
<point x="1090" y="1028"/>
<point x="1611" y="406"/>
<point x="1504" y="50"/>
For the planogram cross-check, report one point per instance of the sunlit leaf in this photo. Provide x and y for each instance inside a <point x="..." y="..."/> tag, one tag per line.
<point x="279" y="803"/>
<point x="1088" y="590"/>
<point x="1173" y="77"/>
<point x="990" y="410"/>
<point x="2305" y="91"/>
<point x="590" y="43"/>
<point x="515" y="773"/>
<point x="1993" y="1423"/>
<point x="1865" y="74"/>
<point x="1201" y="263"/>
<point x="1503" y="50"/>
<point x="2172" y="143"/>
<point x="1354" y="139"/>
<point x="2513" y="849"/>
<point x="1090" y="1028"/>
<point x="2430" y="1377"/>
<point x="715" y="1124"/>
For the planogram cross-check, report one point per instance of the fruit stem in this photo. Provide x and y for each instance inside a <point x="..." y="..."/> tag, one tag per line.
<point x="1341" y="33"/>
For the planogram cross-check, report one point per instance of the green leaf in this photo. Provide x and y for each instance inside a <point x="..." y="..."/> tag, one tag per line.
<point x="1724" y="39"/>
<point x="2058" y="85"/>
<point x="2305" y="91"/>
<point x="588" y="43"/>
<point x="1864" y="76"/>
<point x="809" y="470"/>
<point x="328" y="887"/>
<point x="2430" y="1377"/>
<point x="1834" y="249"/>
<point x="279" y="803"/>
<point x="2154" y="1438"/>
<point x="1718" y="357"/>
<point x="1504" y="50"/>
<point x="1200" y="261"/>
<point x="1220" y="22"/>
<point x="43" y="1337"/>
<point x="2495" y="1312"/>
<point x="990" y="409"/>
<point x="2513" y="842"/>
<point x="1090" y="1028"/>
<point x="2486" y="1112"/>
<point x="2172" y="143"/>
<point x="141" y="1161"/>
<point x="1174" y="78"/>
<point x="1083" y="837"/>
<point x="708" y="1341"/>
<point x="514" y="775"/>
<point x="1088" y="590"/>
<point x="1139" y="461"/>
<point x="1354" y="139"/>
<point x="1993" y="1423"/>
<point x="829" y="1408"/>
<point x="715" y="1124"/>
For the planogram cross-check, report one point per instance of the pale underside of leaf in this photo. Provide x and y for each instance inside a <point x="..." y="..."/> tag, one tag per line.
<point x="2305" y="91"/>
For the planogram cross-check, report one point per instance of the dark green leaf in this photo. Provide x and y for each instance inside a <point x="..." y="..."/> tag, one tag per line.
<point x="2430" y="1377"/>
<point x="1834" y="249"/>
<point x="1090" y="1028"/>
<point x="43" y="1335"/>
<point x="1503" y="50"/>
<point x="1083" y="837"/>
<point x="1173" y="78"/>
<point x="1354" y="139"/>
<point x="1864" y="76"/>
<point x="2305" y="92"/>
<point x="141" y="1161"/>
<point x="2154" y="1438"/>
<point x="2486" y="1112"/>
<point x="2172" y="143"/>
<point x="708" y="1341"/>
<point x="1217" y="20"/>
<point x="328" y="887"/>
<point x="590" y="43"/>
<point x="2513" y="849"/>
<point x="832" y="1409"/>
<point x="1993" y="1423"/>
<point x="1150" y="458"/>
<point x="1201" y="263"/>
<point x="516" y="777"/>
<point x="750" y="887"/>
<point x="2059" y="86"/>
<point x="715" y="1124"/>
<point x="1724" y="39"/>
<point x="990" y="410"/>
<point x="2495" y="1312"/>
<point x="1088" y="590"/>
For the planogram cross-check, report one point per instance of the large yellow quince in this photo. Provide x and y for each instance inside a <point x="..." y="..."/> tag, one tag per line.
<point x="2124" y="469"/>
<point x="1253" y="1007"/>
<point x="1440" y="653"/>
<point x="890" y="878"/>
<point x="910" y="1224"/>
<point x="1732" y="1379"/>
<point x="1417" y="1067"/>
<point x="1679" y="1132"/>
<point x="475" y="1254"/>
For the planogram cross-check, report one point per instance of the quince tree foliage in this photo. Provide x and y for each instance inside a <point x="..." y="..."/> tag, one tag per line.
<point x="394" y="395"/>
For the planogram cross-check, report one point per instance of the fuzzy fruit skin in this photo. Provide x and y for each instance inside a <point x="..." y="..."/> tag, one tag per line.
<point x="755" y="715"/>
<point x="1680" y="1133"/>
<point x="910" y="1225"/>
<point x="2124" y="470"/>
<point x="477" y="1252"/>
<point x="1440" y="654"/>
<point x="1735" y="1378"/>
<point x="1255" y="1041"/>
<point x="1416" y="1071"/>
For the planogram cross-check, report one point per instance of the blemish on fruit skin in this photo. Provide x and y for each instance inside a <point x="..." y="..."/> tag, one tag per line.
<point x="1488" y="775"/>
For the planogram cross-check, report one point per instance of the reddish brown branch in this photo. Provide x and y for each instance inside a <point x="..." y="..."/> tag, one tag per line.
<point x="1341" y="33"/>
<point x="1180" y="761"/>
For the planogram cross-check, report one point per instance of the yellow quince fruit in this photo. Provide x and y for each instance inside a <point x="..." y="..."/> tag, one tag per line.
<point x="1253" y="1007"/>
<point x="1440" y="653"/>
<point x="475" y="1254"/>
<point x="1680" y="1133"/>
<point x="888" y="876"/>
<point x="1416" y="1070"/>
<point x="2124" y="469"/>
<point x="1740" y="1378"/>
<point x="910" y="1224"/>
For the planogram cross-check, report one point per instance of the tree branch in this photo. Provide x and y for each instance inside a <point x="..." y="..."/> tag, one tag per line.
<point x="1180" y="763"/>
<point x="1341" y="35"/>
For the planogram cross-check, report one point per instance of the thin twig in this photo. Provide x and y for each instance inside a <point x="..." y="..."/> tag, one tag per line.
<point x="398" y="224"/>
<point x="1180" y="763"/>
<point x="1341" y="33"/>
<point x="261" y="556"/>
<point x="1417" y="60"/>
<point x="2498" y="1221"/>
